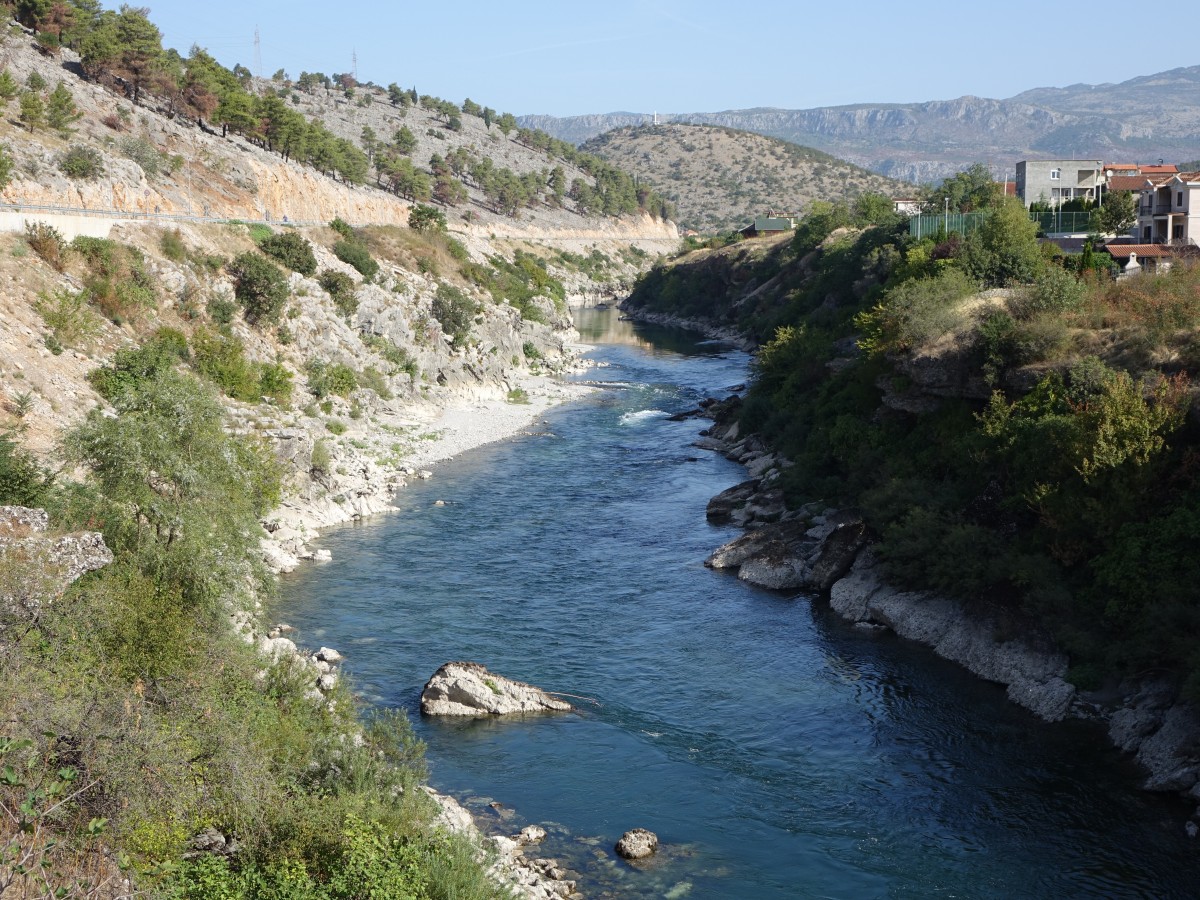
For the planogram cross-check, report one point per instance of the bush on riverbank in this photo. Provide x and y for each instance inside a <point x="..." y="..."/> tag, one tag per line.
<point x="1063" y="499"/>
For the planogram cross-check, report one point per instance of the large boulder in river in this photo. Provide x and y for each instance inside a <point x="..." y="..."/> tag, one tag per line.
<point x="469" y="689"/>
<point x="638" y="843"/>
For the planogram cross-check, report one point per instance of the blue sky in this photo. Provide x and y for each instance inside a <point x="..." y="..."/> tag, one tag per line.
<point x="569" y="58"/>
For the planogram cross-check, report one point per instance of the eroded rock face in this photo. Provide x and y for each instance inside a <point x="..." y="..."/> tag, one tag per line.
<point x="469" y="689"/>
<point x="637" y="844"/>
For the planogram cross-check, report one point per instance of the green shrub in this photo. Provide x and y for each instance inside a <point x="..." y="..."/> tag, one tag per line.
<point x="22" y="481"/>
<point x="326" y="378"/>
<point x="275" y="381"/>
<point x="221" y="310"/>
<point x="393" y="354"/>
<point x="322" y="459"/>
<point x="81" y="161"/>
<point x="518" y="395"/>
<point x="915" y="312"/>
<point x="335" y="427"/>
<point x="373" y="379"/>
<point x="46" y="241"/>
<point x="340" y="288"/>
<point x="259" y="232"/>
<point x="292" y="250"/>
<point x="426" y="218"/>
<point x="1054" y="291"/>
<point x="455" y="311"/>
<point x="222" y="359"/>
<point x="68" y="316"/>
<point x="131" y="367"/>
<point x="343" y="228"/>
<point x="260" y="288"/>
<point x="145" y="154"/>
<point x="117" y="281"/>
<point x="172" y="245"/>
<point x="357" y="256"/>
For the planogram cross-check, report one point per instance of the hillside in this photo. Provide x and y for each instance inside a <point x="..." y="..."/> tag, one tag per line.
<point x="719" y="179"/>
<point x="1137" y="120"/>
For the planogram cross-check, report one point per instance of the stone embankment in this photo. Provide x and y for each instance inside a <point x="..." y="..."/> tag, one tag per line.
<point x="829" y="552"/>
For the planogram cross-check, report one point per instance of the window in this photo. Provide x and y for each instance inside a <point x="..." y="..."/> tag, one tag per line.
<point x="1146" y="234"/>
<point x="1177" y="232"/>
<point x="1055" y="174"/>
<point x="1179" y="198"/>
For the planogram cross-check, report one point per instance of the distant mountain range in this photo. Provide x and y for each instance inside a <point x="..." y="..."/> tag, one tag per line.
<point x="1138" y="120"/>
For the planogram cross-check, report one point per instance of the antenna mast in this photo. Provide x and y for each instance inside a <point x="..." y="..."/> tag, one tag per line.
<point x="354" y="64"/>
<point x="257" y="53"/>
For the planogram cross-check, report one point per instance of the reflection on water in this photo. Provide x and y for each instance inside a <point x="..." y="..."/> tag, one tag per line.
<point x="777" y="751"/>
<point x="605" y="326"/>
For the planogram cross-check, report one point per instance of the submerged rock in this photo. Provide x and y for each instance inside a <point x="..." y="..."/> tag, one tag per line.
<point x="469" y="689"/>
<point x="637" y="844"/>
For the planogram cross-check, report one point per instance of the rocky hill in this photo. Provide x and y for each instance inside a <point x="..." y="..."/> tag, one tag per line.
<point x="465" y="310"/>
<point x="1137" y="120"/>
<point x="719" y="178"/>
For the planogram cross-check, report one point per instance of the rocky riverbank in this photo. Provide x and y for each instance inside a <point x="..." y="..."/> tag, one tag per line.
<point x="829" y="553"/>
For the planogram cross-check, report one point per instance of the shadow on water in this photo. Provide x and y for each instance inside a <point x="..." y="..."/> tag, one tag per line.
<point x="777" y="751"/>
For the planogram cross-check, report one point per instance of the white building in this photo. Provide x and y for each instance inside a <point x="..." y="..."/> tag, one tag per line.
<point x="1169" y="210"/>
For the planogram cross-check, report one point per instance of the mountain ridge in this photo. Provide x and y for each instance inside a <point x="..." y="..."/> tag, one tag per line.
<point x="1149" y="116"/>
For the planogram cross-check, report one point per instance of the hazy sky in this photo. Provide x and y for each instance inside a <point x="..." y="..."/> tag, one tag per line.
<point x="570" y="57"/>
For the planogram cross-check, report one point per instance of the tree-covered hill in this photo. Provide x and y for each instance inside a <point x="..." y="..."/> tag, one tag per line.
<point x="719" y="179"/>
<point x="464" y="156"/>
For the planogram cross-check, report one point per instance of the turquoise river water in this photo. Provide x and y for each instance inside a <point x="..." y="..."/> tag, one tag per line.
<point x="776" y="750"/>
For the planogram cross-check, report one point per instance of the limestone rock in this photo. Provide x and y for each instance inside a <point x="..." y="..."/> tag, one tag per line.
<point x="637" y="844"/>
<point x="469" y="689"/>
<point x="1172" y="753"/>
<point x="772" y="542"/>
<point x="720" y="508"/>
<point x="532" y="834"/>
<point x="1034" y="675"/>
<point x="838" y="552"/>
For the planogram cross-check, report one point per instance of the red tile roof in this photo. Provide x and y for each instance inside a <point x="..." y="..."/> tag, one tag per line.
<point x="1121" y="167"/>
<point x="1126" y="182"/>
<point x="1159" y="170"/>
<point x="1123" y="251"/>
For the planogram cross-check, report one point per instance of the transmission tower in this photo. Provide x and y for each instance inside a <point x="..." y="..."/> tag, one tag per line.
<point x="354" y="64"/>
<point x="257" y="53"/>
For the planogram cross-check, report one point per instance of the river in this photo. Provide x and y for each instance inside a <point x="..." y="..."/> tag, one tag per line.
<point x="776" y="750"/>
